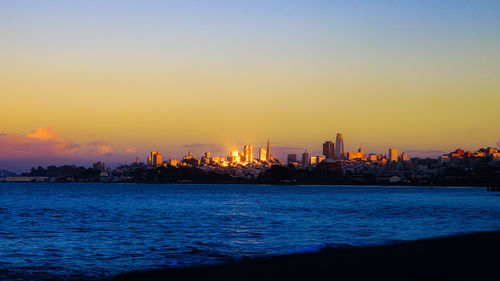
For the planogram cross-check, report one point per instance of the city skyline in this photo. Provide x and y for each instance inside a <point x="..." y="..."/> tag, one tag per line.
<point x="45" y="146"/>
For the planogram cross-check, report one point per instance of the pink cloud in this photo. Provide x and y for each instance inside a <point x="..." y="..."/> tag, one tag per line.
<point x="44" y="146"/>
<point x="44" y="141"/>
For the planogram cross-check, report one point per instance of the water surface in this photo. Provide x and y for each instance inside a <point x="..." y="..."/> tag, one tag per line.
<point x="92" y="230"/>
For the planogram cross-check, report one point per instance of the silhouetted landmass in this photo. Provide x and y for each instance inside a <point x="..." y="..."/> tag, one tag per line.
<point x="466" y="257"/>
<point x="276" y="174"/>
<point x="5" y="173"/>
<point x="65" y="173"/>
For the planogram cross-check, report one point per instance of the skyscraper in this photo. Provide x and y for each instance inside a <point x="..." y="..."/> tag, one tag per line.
<point x="393" y="154"/>
<point x="269" y="158"/>
<point x="339" y="147"/>
<point x="263" y="154"/>
<point x="328" y="149"/>
<point x="248" y="150"/>
<point x="306" y="160"/>
<point x="155" y="159"/>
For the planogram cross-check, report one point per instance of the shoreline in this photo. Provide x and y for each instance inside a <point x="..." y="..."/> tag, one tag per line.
<point x="458" y="257"/>
<point x="256" y="184"/>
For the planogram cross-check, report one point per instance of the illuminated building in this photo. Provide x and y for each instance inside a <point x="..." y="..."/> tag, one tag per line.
<point x="234" y="156"/>
<point x="155" y="159"/>
<point x="206" y="158"/>
<point x="248" y="153"/>
<point x="320" y="158"/>
<point x="306" y="160"/>
<point x="173" y="162"/>
<point x="263" y="154"/>
<point x="189" y="156"/>
<point x="356" y="155"/>
<point x="404" y="157"/>
<point x="393" y="154"/>
<point x="339" y="147"/>
<point x="372" y="157"/>
<point x="291" y="158"/>
<point x="328" y="149"/>
<point x="313" y="160"/>
<point x="268" y="154"/>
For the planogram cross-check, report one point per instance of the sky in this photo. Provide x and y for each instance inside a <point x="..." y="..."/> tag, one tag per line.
<point x="82" y="81"/>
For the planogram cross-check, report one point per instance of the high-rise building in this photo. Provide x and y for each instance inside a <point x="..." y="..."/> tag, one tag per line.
<point x="248" y="150"/>
<point x="393" y="154"/>
<point x="234" y="156"/>
<point x="291" y="158"/>
<point x="268" y="154"/>
<point x="339" y="147"/>
<point x="263" y="154"/>
<point x="306" y="160"/>
<point x="404" y="157"/>
<point x="328" y="149"/>
<point x="207" y="154"/>
<point x="155" y="159"/>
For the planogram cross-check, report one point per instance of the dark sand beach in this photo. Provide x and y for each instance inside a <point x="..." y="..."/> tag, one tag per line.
<point x="473" y="256"/>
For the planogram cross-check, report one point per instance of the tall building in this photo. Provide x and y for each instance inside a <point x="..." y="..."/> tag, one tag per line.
<point x="248" y="150"/>
<point x="306" y="159"/>
<point x="339" y="147"/>
<point x="263" y="154"/>
<point x="268" y="154"/>
<point x="291" y="158"/>
<point x="393" y="154"/>
<point x="234" y="156"/>
<point x="328" y="149"/>
<point x="404" y="157"/>
<point x="155" y="159"/>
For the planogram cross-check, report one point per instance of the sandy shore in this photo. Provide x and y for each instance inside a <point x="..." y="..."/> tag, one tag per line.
<point x="465" y="257"/>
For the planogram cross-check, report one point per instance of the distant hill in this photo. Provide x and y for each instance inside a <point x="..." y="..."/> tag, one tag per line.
<point x="5" y="173"/>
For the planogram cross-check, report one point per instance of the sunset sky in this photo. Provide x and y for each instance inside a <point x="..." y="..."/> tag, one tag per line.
<point x="88" y="80"/>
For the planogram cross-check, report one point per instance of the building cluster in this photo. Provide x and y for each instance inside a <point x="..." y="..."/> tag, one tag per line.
<point x="335" y="151"/>
<point x="234" y="159"/>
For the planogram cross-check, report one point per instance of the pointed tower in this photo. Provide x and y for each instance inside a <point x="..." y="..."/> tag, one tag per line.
<point x="268" y="156"/>
<point x="339" y="147"/>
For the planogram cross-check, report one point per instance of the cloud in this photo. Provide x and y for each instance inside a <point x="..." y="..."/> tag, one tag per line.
<point x="44" y="146"/>
<point x="98" y="148"/>
<point x="43" y="141"/>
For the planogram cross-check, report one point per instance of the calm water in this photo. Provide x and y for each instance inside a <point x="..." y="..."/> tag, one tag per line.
<point x="93" y="230"/>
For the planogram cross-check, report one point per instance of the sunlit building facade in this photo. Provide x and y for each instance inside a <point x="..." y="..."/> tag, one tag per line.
<point x="248" y="153"/>
<point x="263" y="154"/>
<point x="393" y="154"/>
<point x="155" y="159"/>
<point x="404" y="157"/>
